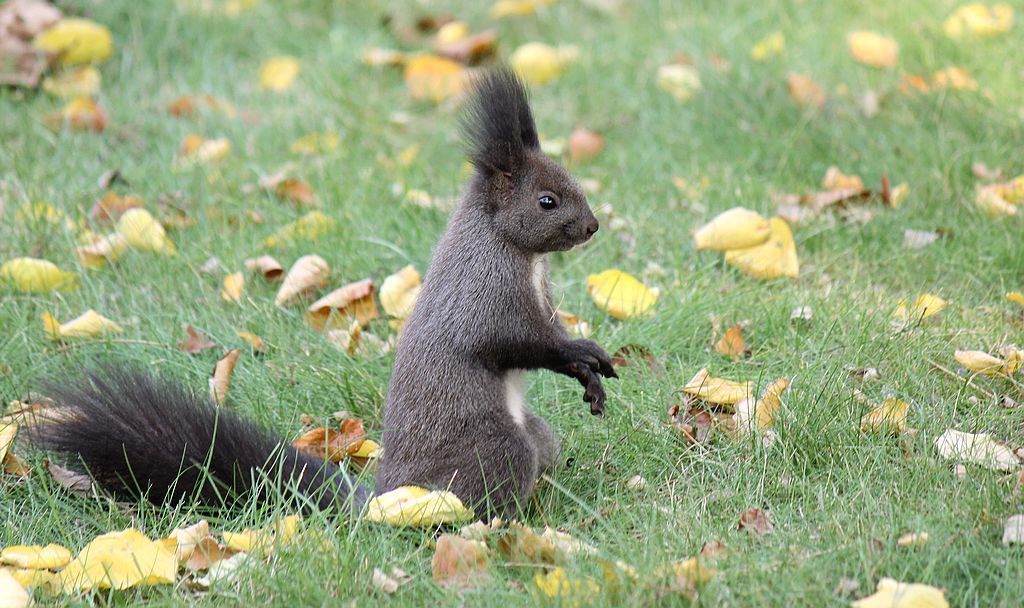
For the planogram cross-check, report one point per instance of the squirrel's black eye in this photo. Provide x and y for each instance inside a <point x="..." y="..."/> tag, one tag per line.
<point x="547" y="202"/>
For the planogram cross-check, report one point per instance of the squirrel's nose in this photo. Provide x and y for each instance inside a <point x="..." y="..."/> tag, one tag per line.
<point x="592" y="227"/>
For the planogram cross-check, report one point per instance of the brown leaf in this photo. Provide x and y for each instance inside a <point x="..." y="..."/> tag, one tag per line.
<point x="195" y="343"/>
<point x="289" y="189"/>
<point x="756" y="521"/>
<point x="343" y="305"/>
<point x="713" y="549"/>
<point x="520" y="544"/>
<point x="308" y="274"/>
<point x="220" y="381"/>
<point x="21" y="64"/>
<point x="77" y="483"/>
<point x="333" y="444"/>
<point x="267" y="266"/>
<point x="254" y="341"/>
<point x="584" y="145"/>
<point x="206" y="553"/>
<point x="732" y="344"/>
<point x="634" y="353"/>
<point x="693" y="423"/>
<point x="469" y="50"/>
<point x="112" y="205"/>
<point x="16" y="465"/>
<point x="459" y="563"/>
<point x="805" y="91"/>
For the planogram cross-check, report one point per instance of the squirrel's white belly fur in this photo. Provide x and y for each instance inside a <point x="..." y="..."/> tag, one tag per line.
<point x="515" y="395"/>
<point x="538" y="278"/>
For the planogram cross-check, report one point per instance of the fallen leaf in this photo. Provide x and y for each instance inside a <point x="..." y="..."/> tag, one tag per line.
<point x="732" y="344"/>
<point x="188" y="538"/>
<point x="418" y="507"/>
<point x="717" y="390"/>
<point x="770" y="46"/>
<point x="835" y="179"/>
<point x="255" y="342"/>
<point x="220" y="380"/>
<point x="873" y="49"/>
<point x="77" y="483"/>
<point x="1013" y="530"/>
<point x="992" y="204"/>
<point x="263" y="541"/>
<point x="1016" y="297"/>
<point x="195" y="343"/>
<point x="89" y="324"/>
<point x="737" y="228"/>
<point x="804" y="91"/>
<point x="12" y="594"/>
<point x="233" y="285"/>
<point x="289" y="189"/>
<point x="918" y="239"/>
<point x="846" y="586"/>
<point x="309" y="273"/>
<point x="141" y="231"/>
<point x="538" y="63"/>
<point x="399" y="291"/>
<point x="680" y="81"/>
<point x="912" y="539"/>
<point x="459" y="563"/>
<point x="267" y="266"/>
<point x="377" y="56"/>
<point x="685" y="576"/>
<point x="584" y="145"/>
<point x="119" y="560"/>
<point x="81" y="82"/>
<point x="354" y="301"/>
<point x="76" y="41"/>
<point x="773" y="259"/>
<point x="31" y="275"/>
<point x="307" y="228"/>
<point x="197" y="150"/>
<point x="693" y="423"/>
<point x="978" y="449"/>
<point x="889" y="417"/>
<point x="894" y="594"/>
<point x="223" y="570"/>
<point x="206" y="553"/>
<point x="926" y="305"/>
<point x="977" y="19"/>
<point x="757" y="522"/>
<point x="278" y="73"/>
<point x="315" y="143"/>
<point x="8" y="432"/>
<point x="517" y="8"/>
<point x="81" y="114"/>
<point x="389" y="583"/>
<point x="954" y="77"/>
<point x="104" y="250"/>
<point x="21" y="64"/>
<point x="111" y="206"/>
<point x="433" y="78"/>
<point x="573" y="592"/>
<point x="619" y="294"/>
<point x="984" y="363"/>
<point x="802" y="313"/>
<point x="331" y="444"/>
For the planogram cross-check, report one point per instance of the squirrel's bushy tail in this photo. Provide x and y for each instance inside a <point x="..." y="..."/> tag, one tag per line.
<point x="143" y="436"/>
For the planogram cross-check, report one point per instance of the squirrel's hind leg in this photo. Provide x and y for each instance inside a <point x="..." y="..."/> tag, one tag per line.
<point x="543" y="440"/>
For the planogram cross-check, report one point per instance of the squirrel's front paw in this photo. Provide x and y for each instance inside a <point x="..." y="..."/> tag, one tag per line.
<point x="591" y="353"/>
<point x="593" y="390"/>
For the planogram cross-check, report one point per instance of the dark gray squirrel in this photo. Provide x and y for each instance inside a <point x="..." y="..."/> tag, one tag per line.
<point x="455" y="417"/>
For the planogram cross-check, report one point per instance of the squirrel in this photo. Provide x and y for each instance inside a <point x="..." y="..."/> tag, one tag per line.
<point x="455" y="416"/>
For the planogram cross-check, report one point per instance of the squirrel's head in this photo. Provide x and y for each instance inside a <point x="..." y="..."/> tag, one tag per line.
<point x="534" y="202"/>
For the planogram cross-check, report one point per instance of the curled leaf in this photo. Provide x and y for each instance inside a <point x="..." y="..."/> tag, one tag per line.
<point x="89" y="324"/>
<point x="978" y="449"/>
<point x="332" y="444"/>
<point x="119" y="560"/>
<point x="36" y="557"/>
<point x="732" y="344"/>
<point x="351" y="302"/>
<point x="737" y="228"/>
<point x="307" y="274"/>
<point x="197" y="150"/>
<point x="460" y="563"/>
<point x="233" y="285"/>
<point x="81" y="82"/>
<point x="619" y="294"/>
<point x="433" y="78"/>
<point x="12" y="594"/>
<point x="220" y="380"/>
<point x="717" y="390"/>
<point x="805" y="91"/>
<point x="308" y="227"/>
<point x="926" y="305"/>
<point x="399" y="291"/>
<point x="775" y="258"/>
<point x="267" y="266"/>
<point x="195" y="343"/>
<point x="102" y="251"/>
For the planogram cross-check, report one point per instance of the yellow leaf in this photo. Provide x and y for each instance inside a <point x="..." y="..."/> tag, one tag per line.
<point x="1012" y="191"/>
<point x="899" y="194"/>
<point x="141" y="231"/>
<point x="36" y="557"/>
<point x="429" y="77"/>
<point x="538" y="63"/>
<point x="83" y="114"/>
<point x="680" y="81"/>
<point x="31" y="275"/>
<point x="119" y="560"/>
<point x="186" y="539"/>
<point x="992" y="204"/>
<point x="399" y="291"/>
<point x="976" y="448"/>
<point x="890" y="416"/>
<point x="368" y="449"/>
<point x="76" y="41"/>
<point x="926" y="305"/>
<point x="737" y="228"/>
<point x="278" y="73"/>
<point x="569" y="592"/>
<point x="976" y="19"/>
<point x="80" y="82"/>
<point x="717" y="390"/>
<point x="220" y="380"/>
<point x="196" y="150"/>
<point x="1016" y="297"/>
<point x="837" y="180"/>
<point x="89" y="324"/>
<point x="354" y="301"/>
<point x="775" y="258"/>
<point x="7" y="434"/>
<point x="315" y="143"/>
<point x="101" y="251"/>
<point x="770" y="46"/>
<point x="31" y="578"/>
<point x="771" y="401"/>
<point x="732" y="344"/>
<point x="979" y="362"/>
<point x="233" y="284"/>
<point x="12" y="594"/>
<point x="253" y="340"/>
<point x="619" y="294"/>
<point x="894" y="594"/>
<point x="309" y="273"/>
<point x="517" y="8"/>
<point x="418" y="507"/>
<point x="873" y="49"/>
<point x="306" y="228"/>
<point x="956" y="78"/>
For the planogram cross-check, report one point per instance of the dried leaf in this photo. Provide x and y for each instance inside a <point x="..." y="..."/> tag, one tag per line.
<point x="912" y="539"/>
<point x="991" y="202"/>
<point x="804" y="91"/>
<point x="81" y="82"/>
<point x="399" y="291"/>
<point x="220" y="381"/>
<point x="757" y="522"/>
<point x="918" y="239"/>
<point x="926" y="305"/>
<point x="8" y="432"/>
<point x="111" y="206"/>
<point x="770" y="46"/>
<point x="389" y="583"/>
<point x="694" y="424"/>
<point x="737" y="228"/>
<point x="353" y="302"/>
<point x="517" y="8"/>
<point x="470" y="49"/>
<point x="80" y="114"/>
<point x="103" y="250"/>
<point x="459" y="563"/>
<point x="538" y="63"/>
<point x="278" y="73"/>
<point x="223" y="570"/>
<point x="894" y="594"/>
<point x="680" y="81"/>
<point x="331" y="444"/>
<point x="619" y="294"/>
<point x="207" y="552"/>
<point x="12" y="594"/>
<point x="89" y="324"/>
<point x="889" y="417"/>
<point x="873" y="49"/>
<point x="308" y="274"/>
<point x="31" y="275"/>
<point x="307" y="228"/>
<point x="76" y="42"/>
<point x="289" y="189"/>
<point x="188" y="538"/>
<point x="233" y="285"/>
<point x="732" y="344"/>
<point x="979" y="20"/>
<point x="255" y="342"/>
<point x="119" y="560"/>
<point x="197" y="150"/>
<point x="717" y="390"/>
<point x="412" y="506"/>
<point x="773" y="259"/>
<point x="77" y="483"/>
<point x="978" y="449"/>
<point x="584" y="145"/>
<point x="1013" y="530"/>
<point x="267" y="266"/>
<point x="315" y="143"/>
<point x="141" y="231"/>
<point x="195" y="343"/>
<point x="433" y="78"/>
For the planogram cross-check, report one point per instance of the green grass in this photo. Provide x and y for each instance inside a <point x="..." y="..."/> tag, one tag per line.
<point x="839" y="498"/>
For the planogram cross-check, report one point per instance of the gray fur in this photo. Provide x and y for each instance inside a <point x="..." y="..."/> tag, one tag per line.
<point x="480" y="318"/>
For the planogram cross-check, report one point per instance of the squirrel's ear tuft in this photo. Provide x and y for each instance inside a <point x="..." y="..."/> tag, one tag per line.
<point x="497" y="122"/>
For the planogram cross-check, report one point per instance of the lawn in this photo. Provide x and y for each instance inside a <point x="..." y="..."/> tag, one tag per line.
<point x="839" y="498"/>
